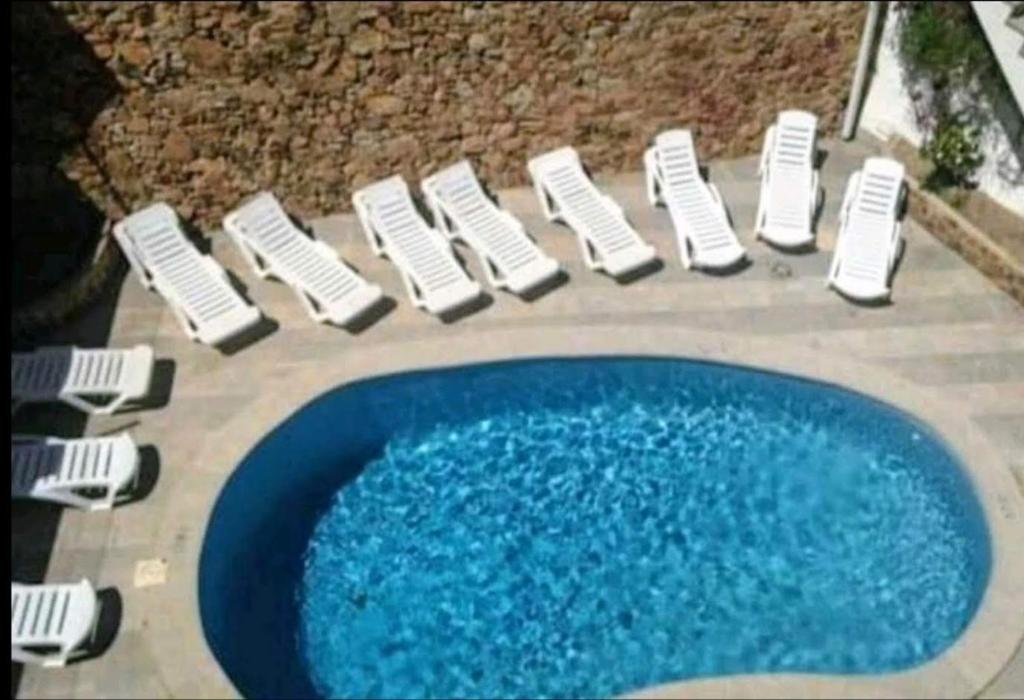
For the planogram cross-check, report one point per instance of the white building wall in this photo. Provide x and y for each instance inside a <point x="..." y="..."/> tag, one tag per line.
<point x="889" y="110"/>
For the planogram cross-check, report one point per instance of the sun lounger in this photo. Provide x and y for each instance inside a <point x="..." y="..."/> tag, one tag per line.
<point x="50" y="623"/>
<point x="567" y="194"/>
<point x="432" y="275"/>
<point x="790" y="195"/>
<point x="463" y="210"/>
<point x="705" y="236"/>
<point x="274" y="246"/>
<point x="869" y="242"/>
<point x="195" y="286"/>
<point x="95" y="381"/>
<point x="87" y="473"/>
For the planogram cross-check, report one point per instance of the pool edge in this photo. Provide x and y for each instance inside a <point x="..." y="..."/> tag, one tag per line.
<point x="963" y="670"/>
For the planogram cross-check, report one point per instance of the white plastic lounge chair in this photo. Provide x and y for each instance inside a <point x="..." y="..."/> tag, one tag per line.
<point x="195" y="286"/>
<point x="567" y="194"/>
<point x="705" y="237"/>
<point x="274" y="246"/>
<point x="51" y="622"/>
<point x="432" y="276"/>
<point x="789" y="181"/>
<point x="869" y="240"/>
<point x="462" y="210"/>
<point x="87" y="473"/>
<point x="94" y="381"/>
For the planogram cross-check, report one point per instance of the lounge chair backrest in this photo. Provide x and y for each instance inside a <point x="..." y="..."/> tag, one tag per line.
<point x="70" y="374"/>
<point x="878" y="191"/>
<point x="412" y="243"/>
<point x="566" y="193"/>
<point x="794" y="143"/>
<point x="677" y="160"/>
<point x="52" y="370"/>
<point x="464" y="210"/>
<point x="83" y="472"/>
<point x="582" y="204"/>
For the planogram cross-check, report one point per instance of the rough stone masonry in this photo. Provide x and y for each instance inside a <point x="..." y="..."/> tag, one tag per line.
<point x="216" y="100"/>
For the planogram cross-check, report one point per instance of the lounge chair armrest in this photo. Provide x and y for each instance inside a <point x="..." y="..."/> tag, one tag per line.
<point x="814" y="191"/>
<point x="715" y="194"/>
<point x="766" y="148"/>
<point x="851" y="189"/>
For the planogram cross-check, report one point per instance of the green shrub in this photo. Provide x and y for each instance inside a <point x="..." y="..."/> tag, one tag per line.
<point x="955" y="153"/>
<point x="943" y="43"/>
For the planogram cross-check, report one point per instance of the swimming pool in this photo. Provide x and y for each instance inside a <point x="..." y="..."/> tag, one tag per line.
<point x="586" y="527"/>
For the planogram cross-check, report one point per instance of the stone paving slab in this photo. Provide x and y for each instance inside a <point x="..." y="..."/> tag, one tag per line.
<point x="948" y="330"/>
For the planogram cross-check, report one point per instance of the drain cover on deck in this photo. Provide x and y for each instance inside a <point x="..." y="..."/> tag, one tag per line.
<point x="150" y="572"/>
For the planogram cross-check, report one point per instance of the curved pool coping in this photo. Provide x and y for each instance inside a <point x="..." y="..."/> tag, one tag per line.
<point x="962" y="670"/>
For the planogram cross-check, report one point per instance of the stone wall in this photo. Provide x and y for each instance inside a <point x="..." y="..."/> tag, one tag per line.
<point x="217" y="100"/>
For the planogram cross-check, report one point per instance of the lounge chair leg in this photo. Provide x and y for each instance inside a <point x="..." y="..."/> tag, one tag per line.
<point x="314" y="313"/>
<point x="441" y="222"/>
<point x="651" y="178"/>
<point x="89" y="407"/>
<point x="133" y="262"/>
<point x="546" y="204"/>
<point x="376" y="245"/>
<point x="684" y="254"/>
<point x="413" y="291"/>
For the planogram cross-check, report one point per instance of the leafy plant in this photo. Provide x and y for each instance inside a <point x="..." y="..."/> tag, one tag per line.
<point x="955" y="151"/>
<point x="943" y="43"/>
<point x="954" y="78"/>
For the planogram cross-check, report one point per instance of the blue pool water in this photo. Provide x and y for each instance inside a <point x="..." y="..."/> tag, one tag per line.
<point x="583" y="528"/>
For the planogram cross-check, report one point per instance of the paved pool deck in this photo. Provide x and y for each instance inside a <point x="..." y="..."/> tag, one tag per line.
<point x="950" y="347"/>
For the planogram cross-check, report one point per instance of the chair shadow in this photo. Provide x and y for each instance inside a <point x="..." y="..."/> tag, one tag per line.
<point x="479" y="303"/>
<point x="544" y="288"/>
<point x="371" y="316"/>
<point x="111" y="612"/>
<point x="34" y="526"/>
<point x="266" y="326"/>
<point x="737" y="267"/>
<point x="16" y="671"/>
<point x="149" y="474"/>
<point x="161" y="385"/>
<point x="654" y="266"/>
<point x="865" y="303"/>
<point x="808" y="248"/>
<point x="820" y="156"/>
